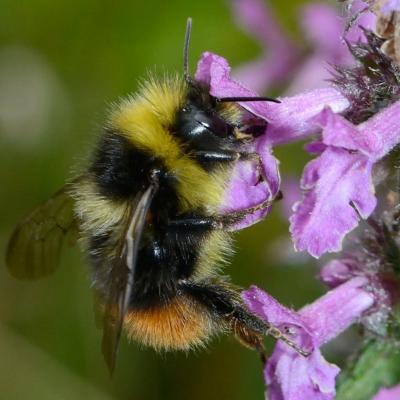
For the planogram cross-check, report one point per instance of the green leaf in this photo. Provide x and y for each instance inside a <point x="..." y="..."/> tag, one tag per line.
<point x="377" y="365"/>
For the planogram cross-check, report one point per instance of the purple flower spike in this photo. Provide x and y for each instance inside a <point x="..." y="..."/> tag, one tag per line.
<point x="279" y="56"/>
<point x="290" y="376"/>
<point x="388" y="394"/>
<point x="338" y="185"/>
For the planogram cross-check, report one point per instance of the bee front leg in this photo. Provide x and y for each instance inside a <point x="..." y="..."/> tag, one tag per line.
<point x="223" y="301"/>
<point x="196" y="223"/>
<point x="225" y="156"/>
<point x="232" y="218"/>
<point x="220" y="221"/>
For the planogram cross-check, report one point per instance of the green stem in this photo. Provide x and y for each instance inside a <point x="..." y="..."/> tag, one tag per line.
<point x="377" y="365"/>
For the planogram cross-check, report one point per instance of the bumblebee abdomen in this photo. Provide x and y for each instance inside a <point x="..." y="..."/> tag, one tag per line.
<point x="173" y="254"/>
<point x="180" y="324"/>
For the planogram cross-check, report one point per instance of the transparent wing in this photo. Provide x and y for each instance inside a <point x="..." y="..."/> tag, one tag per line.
<point x="35" y="245"/>
<point x="122" y="276"/>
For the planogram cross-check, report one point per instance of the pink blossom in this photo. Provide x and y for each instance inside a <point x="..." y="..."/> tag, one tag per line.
<point x="290" y="120"/>
<point x="290" y="376"/>
<point x="281" y="60"/>
<point x="279" y="54"/>
<point x="392" y="393"/>
<point x="338" y="184"/>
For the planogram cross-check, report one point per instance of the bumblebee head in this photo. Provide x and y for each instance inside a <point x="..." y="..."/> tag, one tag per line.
<point x="203" y="112"/>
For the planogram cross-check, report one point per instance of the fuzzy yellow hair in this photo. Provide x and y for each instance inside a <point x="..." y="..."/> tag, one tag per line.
<point x="147" y="119"/>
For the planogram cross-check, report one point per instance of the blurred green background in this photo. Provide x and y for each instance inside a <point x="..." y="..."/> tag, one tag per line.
<point x="61" y="64"/>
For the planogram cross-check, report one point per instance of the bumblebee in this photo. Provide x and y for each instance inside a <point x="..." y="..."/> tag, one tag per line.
<point x="147" y="212"/>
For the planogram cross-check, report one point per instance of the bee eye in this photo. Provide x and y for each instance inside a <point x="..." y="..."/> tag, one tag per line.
<point x="186" y="109"/>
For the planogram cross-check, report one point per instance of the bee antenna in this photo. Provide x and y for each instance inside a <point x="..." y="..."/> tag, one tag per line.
<point x="244" y="99"/>
<point x="186" y="49"/>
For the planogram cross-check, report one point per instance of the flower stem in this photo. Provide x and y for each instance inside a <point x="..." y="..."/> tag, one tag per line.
<point x="377" y="365"/>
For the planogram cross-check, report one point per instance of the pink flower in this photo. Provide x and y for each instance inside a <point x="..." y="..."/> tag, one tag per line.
<point x="390" y="6"/>
<point x="280" y="55"/>
<point x="388" y="394"/>
<point x="281" y="59"/>
<point x="373" y="256"/>
<point x="290" y="120"/>
<point x="338" y="184"/>
<point x="290" y="376"/>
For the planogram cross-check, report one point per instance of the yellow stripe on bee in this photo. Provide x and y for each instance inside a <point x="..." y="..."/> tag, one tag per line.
<point x="214" y="252"/>
<point x="96" y="212"/>
<point x="147" y="120"/>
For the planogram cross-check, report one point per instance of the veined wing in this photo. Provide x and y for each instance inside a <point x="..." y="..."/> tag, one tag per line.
<point x="35" y="245"/>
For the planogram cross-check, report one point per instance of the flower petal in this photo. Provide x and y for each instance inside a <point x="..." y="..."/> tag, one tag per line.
<point x="269" y="309"/>
<point x="382" y="131"/>
<point x="215" y="71"/>
<point x="256" y="18"/>
<point x="334" y="181"/>
<point x="341" y="178"/>
<point x="292" y="119"/>
<point x="364" y="18"/>
<point x="336" y="272"/>
<point x="293" y="377"/>
<point x="245" y="191"/>
<point x="334" y="312"/>
<point x="316" y="17"/>
<point x="374" y="137"/>
<point x="280" y="54"/>
<point x="339" y="132"/>
<point x="390" y="6"/>
<point x="272" y="312"/>
<point x="290" y="376"/>
<point x="288" y="121"/>
<point x="388" y="394"/>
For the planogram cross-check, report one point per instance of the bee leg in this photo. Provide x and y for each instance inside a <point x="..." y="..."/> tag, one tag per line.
<point x="223" y="301"/>
<point x="222" y="221"/>
<point x="200" y="223"/>
<point x="226" y="156"/>
<point x="231" y="218"/>
<point x="217" y="156"/>
<point x="230" y="156"/>
<point x="249" y="338"/>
